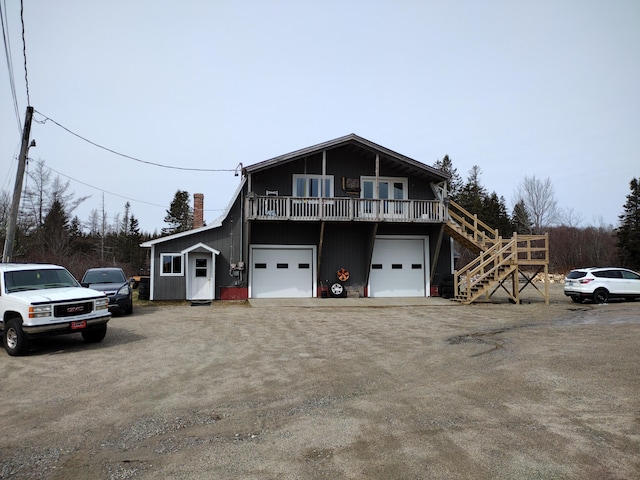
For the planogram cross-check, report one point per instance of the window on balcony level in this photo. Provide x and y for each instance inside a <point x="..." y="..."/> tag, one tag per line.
<point x="388" y="188"/>
<point x="311" y="186"/>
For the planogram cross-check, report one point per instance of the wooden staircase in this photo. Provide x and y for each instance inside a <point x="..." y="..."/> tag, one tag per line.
<point x="498" y="261"/>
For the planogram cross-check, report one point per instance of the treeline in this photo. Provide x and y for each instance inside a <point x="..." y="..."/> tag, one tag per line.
<point x="47" y="231"/>
<point x="536" y="211"/>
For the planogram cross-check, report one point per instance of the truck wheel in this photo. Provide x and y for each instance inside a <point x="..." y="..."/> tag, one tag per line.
<point x="96" y="334"/>
<point x="15" y="341"/>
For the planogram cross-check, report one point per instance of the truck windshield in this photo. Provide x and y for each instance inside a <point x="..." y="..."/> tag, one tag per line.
<point x="22" y="280"/>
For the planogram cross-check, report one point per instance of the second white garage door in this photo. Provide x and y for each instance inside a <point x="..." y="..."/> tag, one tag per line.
<point x="282" y="272"/>
<point x="399" y="267"/>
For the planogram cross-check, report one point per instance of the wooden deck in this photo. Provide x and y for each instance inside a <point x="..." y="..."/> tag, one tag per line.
<point x="344" y="209"/>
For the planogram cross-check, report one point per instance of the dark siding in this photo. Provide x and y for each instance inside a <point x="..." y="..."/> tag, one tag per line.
<point x="346" y="245"/>
<point x="341" y="162"/>
<point x="226" y="239"/>
<point x="285" y="233"/>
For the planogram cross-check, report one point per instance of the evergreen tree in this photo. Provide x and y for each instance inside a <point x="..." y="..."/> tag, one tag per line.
<point x="56" y="234"/>
<point x="628" y="235"/>
<point x="125" y="220"/>
<point x="494" y="214"/>
<point x="75" y="228"/>
<point x="180" y="214"/>
<point x="472" y="195"/>
<point x="520" y="220"/>
<point x="454" y="185"/>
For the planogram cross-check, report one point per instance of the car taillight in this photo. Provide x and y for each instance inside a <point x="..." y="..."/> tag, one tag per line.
<point x="584" y="281"/>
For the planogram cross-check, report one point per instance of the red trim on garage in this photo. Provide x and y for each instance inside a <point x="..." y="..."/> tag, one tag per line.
<point x="234" y="293"/>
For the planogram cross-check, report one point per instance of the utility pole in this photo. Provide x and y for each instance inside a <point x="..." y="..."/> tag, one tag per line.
<point x="15" y="204"/>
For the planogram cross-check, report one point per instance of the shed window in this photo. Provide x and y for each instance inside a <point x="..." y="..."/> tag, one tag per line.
<point x="171" y="264"/>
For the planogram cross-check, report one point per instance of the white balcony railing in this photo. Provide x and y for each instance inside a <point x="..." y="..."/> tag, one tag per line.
<point x="344" y="209"/>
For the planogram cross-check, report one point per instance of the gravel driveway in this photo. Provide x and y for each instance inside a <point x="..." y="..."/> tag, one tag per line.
<point x="333" y="391"/>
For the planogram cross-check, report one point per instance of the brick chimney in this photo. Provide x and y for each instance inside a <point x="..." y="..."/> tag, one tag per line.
<point x="198" y="210"/>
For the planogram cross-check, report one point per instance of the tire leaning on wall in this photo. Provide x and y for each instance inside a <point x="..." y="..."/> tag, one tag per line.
<point x="144" y="288"/>
<point x="446" y="288"/>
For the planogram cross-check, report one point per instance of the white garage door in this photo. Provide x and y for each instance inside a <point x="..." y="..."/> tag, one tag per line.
<point x="282" y="272"/>
<point x="399" y="268"/>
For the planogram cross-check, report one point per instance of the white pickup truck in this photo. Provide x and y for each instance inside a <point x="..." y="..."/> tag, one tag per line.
<point x="38" y="299"/>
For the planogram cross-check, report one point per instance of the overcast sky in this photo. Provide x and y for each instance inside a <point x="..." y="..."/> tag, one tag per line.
<point x="520" y="88"/>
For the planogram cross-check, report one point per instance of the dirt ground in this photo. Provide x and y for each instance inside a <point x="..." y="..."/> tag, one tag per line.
<point x="333" y="391"/>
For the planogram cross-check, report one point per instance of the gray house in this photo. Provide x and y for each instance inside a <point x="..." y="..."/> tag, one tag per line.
<point x="345" y="217"/>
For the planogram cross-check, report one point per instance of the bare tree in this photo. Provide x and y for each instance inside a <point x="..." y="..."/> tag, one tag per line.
<point x="36" y="193"/>
<point x="539" y="200"/>
<point x="570" y="218"/>
<point x="59" y="191"/>
<point x="42" y="192"/>
<point x="94" y="223"/>
<point x="5" y="206"/>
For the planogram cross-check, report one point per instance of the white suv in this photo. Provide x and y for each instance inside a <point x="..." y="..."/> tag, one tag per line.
<point x="601" y="284"/>
<point x="47" y="300"/>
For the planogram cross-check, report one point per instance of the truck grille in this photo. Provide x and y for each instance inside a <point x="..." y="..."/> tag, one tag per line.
<point x="72" y="309"/>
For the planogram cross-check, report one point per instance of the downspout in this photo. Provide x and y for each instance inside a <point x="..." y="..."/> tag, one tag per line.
<point x="243" y="225"/>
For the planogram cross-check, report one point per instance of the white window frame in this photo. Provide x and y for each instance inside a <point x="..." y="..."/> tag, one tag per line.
<point x="308" y="177"/>
<point x="171" y="274"/>
<point x="403" y="180"/>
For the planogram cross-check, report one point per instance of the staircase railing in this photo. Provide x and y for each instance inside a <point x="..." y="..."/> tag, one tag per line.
<point x="497" y="262"/>
<point x="491" y="266"/>
<point x="471" y="227"/>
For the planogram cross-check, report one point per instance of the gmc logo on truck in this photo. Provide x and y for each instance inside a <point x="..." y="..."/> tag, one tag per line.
<point x="77" y="309"/>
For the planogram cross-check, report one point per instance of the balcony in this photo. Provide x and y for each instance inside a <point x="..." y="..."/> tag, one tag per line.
<point x="344" y="209"/>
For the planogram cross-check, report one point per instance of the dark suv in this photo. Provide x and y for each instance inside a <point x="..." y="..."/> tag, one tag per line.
<point x="114" y="283"/>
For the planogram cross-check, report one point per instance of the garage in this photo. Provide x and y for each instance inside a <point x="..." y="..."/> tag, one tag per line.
<point x="399" y="267"/>
<point x="282" y="271"/>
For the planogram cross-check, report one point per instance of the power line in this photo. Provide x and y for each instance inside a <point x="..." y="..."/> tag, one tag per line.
<point x="7" y="52"/>
<point x="114" y="194"/>
<point x="24" y="52"/>
<point x="46" y="119"/>
<point x="102" y="190"/>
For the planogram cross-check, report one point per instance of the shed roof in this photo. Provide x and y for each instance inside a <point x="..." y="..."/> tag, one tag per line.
<point x="215" y="224"/>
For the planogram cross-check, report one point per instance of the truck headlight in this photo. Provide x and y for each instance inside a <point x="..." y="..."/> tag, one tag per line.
<point x="102" y="303"/>
<point x="39" y="311"/>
